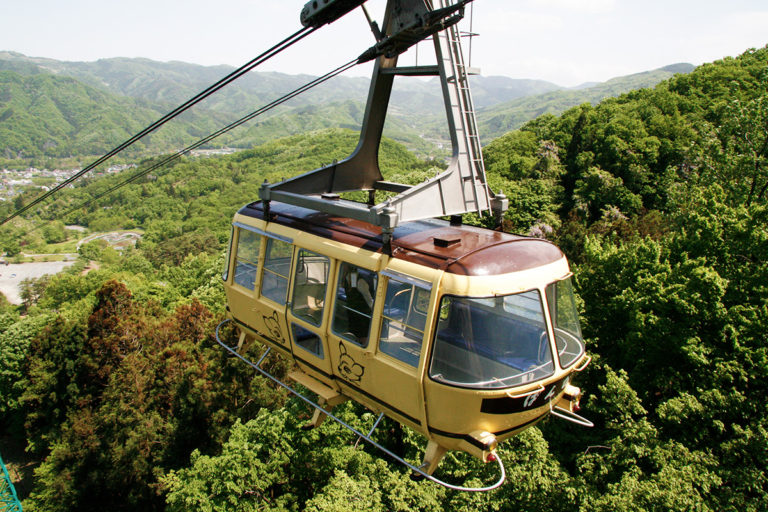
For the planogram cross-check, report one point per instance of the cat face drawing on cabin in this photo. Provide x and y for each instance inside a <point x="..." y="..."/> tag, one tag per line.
<point x="348" y="368"/>
<point x="272" y="324"/>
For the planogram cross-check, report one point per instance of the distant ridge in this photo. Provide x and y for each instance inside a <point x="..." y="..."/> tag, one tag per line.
<point x="50" y="116"/>
<point x="119" y="95"/>
<point x="680" y="67"/>
<point x="585" y="85"/>
<point x="499" y="119"/>
<point x="175" y="81"/>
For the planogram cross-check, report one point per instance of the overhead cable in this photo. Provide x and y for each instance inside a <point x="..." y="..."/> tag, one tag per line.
<point x="222" y="131"/>
<point x="245" y="68"/>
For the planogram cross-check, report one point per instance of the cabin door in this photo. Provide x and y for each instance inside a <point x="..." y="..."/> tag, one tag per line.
<point x="269" y="309"/>
<point x="306" y="313"/>
<point x="375" y="353"/>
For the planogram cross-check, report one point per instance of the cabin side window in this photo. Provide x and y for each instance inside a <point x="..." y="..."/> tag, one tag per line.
<point x="355" y="291"/>
<point x="565" y="320"/>
<point x="494" y="342"/>
<point x="247" y="258"/>
<point x="277" y="266"/>
<point x="307" y="340"/>
<point x="404" y="318"/>
<point x="309" y="284"/>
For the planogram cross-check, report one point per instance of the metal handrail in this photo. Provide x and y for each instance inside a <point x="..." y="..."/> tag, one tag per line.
<point x="9" y="500"/>
<point x="352" y="429"/>
<point x="582" y="366"/>
<point x="567" y="415"/>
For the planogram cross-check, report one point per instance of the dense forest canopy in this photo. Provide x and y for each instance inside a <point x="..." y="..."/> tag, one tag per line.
<point x="659" y="197"/>
<point x="496" y="120"/>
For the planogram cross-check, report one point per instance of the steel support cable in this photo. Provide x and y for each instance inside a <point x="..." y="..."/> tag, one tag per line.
<point x="245" y="68"/>
<point x="222" y="131"/>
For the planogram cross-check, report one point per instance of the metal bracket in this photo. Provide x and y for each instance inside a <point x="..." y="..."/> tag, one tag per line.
<point x="567" y="415"/>
<point x="318" y="13"/>
<point x="461" y="188"/>
<point x="370" y="432"/>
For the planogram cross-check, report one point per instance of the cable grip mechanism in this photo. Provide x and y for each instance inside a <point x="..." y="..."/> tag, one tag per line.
<point x="317" y="13"/>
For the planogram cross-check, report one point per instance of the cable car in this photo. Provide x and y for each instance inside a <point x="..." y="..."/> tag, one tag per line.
<point x="466" y="335"/>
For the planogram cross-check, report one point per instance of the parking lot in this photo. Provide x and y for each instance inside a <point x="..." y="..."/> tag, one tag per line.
<point x="13" y="274"/>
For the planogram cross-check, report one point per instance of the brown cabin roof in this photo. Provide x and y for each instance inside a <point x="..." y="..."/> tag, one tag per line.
<point x="463" y="250"/>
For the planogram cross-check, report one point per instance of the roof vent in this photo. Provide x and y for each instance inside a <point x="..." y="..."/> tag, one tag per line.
<point x="446" y="242"/>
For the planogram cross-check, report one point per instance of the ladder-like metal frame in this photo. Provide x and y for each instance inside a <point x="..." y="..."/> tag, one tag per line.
<point x="460" y="189"/>
<point x="449" y="48"/>
<point x="9" y="501"/>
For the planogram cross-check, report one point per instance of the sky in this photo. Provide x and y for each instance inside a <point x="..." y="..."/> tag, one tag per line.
<point x="567" y="42"/>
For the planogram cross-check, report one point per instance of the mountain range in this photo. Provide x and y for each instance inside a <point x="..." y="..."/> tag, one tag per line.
<point x="51" y="108"/>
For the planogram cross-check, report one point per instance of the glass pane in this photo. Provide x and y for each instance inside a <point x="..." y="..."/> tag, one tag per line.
<point x="277" y="265"/>
<point x="495" y="342"/>
<point x="355" y="291"/>
<point x="307" y="340"/>
<point x="565" y="317"/>
<point x="248" y="245"/>
<point x="309" y="284"/>
<point x="225" y="272"/>
<point x="247" y="258"/>
<point x="402" y="327"/>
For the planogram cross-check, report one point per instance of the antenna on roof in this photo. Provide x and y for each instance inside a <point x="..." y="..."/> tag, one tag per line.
<point x="470" y="35"/>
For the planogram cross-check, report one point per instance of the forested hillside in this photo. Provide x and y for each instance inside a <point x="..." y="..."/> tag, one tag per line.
<point x="501" y="118"/>
<point x="57" y="117"/>
<point x="51" y="110"/>
<point x="174" y="82"/>
<point x="660" y="199"/>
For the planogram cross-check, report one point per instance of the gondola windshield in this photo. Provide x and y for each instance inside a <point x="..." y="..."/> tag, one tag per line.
<point x="496" y="342"/>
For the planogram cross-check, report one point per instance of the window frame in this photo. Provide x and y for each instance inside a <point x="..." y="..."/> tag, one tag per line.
<point x="270" y="238"/>
<point x="545" y="328"/>
<point x="240" y="227"/>
<point x="417" y="286"/>
<point x="328" y="265"/>
<point x="225" y="272"/>
<point x="336" y="289"/>
<point x="552" y="309"/>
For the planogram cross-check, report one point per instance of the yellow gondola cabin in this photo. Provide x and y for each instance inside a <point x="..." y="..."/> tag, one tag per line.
<point x="464" y="334"/>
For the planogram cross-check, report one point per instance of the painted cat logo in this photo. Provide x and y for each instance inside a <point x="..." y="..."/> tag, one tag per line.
<point x="348" y="368"/>
<point x="273" y="327"/>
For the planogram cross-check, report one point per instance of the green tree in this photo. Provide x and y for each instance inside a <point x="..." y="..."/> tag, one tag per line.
<point x="634" y="468"/>
<point x="744" y="135"/>
<point x="32" y="289"/>
<point x="15" y="338"/>
<point x="92" y="250"/>
<point x="138" y="392"/>
<point x="54" y="232"/>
